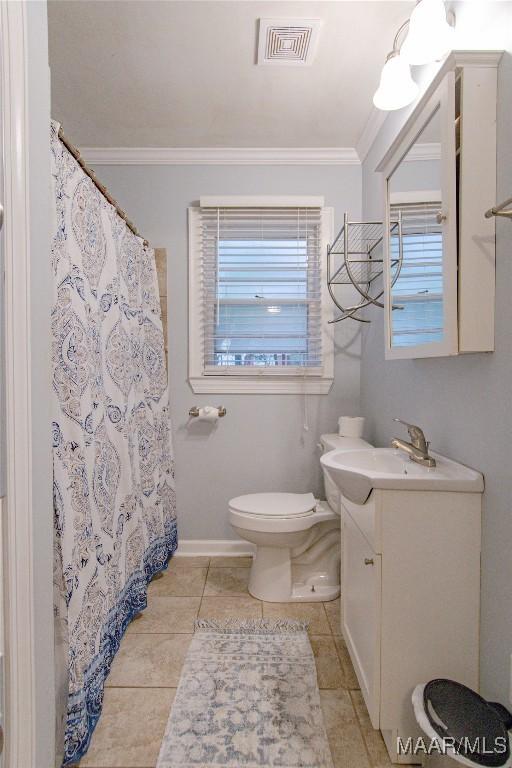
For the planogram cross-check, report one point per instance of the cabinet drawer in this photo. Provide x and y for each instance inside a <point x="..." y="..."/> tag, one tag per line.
<point x="361" y="612"/>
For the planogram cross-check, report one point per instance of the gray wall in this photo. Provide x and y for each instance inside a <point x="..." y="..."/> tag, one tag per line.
<point x="464" y="403"/>
<point x="260" y="444"/>
<point x="417" y="175"/>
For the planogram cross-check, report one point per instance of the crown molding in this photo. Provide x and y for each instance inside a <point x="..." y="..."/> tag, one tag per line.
<point x="472" y="58"/>
<point x="425" y="151"/>
<point x="220" y="156"/>
<point x="370" y="132"/>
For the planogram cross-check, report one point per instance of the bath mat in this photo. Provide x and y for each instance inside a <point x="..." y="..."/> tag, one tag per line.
<point x="248" y="697"/>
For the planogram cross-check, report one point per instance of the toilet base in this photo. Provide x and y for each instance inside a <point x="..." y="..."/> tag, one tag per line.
<point x="281" y="589"/>
<point x="281" y="575"/>
<point x="301" y="593"/>
<point x="304" y="593"/>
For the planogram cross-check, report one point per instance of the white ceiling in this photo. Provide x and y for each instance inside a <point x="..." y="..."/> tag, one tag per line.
<point x="182" y="73"/>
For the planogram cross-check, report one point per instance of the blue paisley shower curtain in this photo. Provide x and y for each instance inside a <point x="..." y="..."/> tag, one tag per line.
<point x="114" y="499"/>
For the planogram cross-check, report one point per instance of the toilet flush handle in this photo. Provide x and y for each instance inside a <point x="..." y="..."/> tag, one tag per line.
<point x="368" y="561"/>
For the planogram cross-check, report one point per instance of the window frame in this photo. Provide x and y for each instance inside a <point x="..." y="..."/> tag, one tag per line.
<point x="260" y="380"/>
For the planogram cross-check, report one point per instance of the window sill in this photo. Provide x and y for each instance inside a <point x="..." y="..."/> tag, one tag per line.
<point x="260" y="385"/>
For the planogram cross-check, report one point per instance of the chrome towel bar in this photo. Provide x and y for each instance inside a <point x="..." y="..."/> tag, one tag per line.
<point x="500" y="210"/>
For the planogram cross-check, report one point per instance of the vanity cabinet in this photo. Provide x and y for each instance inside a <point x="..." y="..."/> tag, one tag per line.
<point x="411" y="587"/>
<point x="439" y="179"/>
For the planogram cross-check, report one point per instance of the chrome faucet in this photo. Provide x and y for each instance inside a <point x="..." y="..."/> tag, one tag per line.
<point x="417" y="449"/>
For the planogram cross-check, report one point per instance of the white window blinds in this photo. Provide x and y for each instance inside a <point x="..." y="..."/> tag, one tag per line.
<point x="419" y="288"/>
<point x="261" y="289"/>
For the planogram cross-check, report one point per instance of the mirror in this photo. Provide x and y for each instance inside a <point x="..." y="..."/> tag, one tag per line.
<point x="415" y="197"/>
<point x="438" y="172"/>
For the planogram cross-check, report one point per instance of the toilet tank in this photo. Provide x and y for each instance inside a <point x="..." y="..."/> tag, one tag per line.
<point x="333" y="442"/>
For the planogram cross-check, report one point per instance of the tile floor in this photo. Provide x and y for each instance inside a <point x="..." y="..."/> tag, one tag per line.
<point x="145" y="673"/>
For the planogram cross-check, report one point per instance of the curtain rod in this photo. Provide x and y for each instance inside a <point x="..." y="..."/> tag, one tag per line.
<point x="104" y="191"/>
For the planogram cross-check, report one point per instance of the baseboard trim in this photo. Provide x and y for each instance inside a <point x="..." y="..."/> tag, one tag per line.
<point x="214" y="547"/>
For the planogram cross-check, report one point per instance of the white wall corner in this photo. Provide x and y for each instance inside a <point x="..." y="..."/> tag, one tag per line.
<point x="370" y="132"/>
<point x="220" y="155"/>
<point x="28" y="626"/>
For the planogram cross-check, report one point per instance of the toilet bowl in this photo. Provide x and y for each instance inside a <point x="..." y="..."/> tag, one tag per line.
<point x="297" y="538"/>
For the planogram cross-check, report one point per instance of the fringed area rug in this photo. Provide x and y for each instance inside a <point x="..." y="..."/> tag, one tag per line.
<point x="248" y="696"/>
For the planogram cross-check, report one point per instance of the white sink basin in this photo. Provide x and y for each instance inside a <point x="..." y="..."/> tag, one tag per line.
<point x="357" y="473"/>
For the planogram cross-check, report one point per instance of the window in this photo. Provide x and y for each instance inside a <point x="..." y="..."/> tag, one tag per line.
<point x="418" y="292"/>
<point x="257" y="288"/>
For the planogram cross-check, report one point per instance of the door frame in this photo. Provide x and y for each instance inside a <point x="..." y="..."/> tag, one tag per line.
<point x="29" y="697"/>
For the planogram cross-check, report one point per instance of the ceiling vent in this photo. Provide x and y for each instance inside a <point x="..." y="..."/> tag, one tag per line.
<point x="288" y="41"/>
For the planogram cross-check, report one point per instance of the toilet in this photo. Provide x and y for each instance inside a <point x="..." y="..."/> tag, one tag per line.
<point x="297" y="537"/>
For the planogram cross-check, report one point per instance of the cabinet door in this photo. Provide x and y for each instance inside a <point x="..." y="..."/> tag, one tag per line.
<point x="361" y="612"/>
<point x="421" y="305"/>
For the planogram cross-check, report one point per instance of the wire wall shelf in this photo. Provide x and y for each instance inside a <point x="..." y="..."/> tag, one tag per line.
<point x="356" y="258"/>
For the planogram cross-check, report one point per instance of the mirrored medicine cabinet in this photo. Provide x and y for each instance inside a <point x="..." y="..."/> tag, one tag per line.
<point x="440" y="178"/>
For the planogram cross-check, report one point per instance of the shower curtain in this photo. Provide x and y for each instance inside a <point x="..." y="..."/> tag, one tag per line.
<point x="114" y="499"/>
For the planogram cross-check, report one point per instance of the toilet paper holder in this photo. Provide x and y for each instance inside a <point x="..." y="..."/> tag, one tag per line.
<point x="194" y="411"/>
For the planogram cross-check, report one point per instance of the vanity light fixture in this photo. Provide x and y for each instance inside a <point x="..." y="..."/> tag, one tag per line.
<point x="429" y="38"/>
<point x="396" y="88"/>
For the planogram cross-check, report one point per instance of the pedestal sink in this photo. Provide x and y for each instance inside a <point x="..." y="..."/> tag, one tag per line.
<point x="357" y="473"/>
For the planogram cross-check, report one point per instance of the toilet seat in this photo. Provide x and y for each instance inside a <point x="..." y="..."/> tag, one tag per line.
<point x="278" y="512"/>
<point x="272" y="505"/>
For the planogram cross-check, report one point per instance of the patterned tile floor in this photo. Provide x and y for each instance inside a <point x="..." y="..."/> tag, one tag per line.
<point x="145" y="673"/>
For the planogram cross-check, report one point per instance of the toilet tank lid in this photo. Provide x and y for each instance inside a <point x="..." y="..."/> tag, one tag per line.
<point x="333" y="442"/>
<point x="275" y="504"/>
